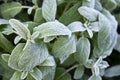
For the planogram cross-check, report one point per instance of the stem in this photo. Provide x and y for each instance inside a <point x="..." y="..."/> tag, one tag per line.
<point x="26" y="7"/>
<point x="68" y="70"/>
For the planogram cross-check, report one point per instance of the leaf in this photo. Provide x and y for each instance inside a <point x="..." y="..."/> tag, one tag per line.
<point x="16" y="76"/>
<point x="5" y="57"/>
<point x="14" y="57"/>
<point x="36" y="74"/>
<point x="59" y="71"/>
<point x="29" y="11"/>
<point x="12" y="8"/>
<point x="33" y="54"/>
<point x="49" y="62"/>
<point x="20" y="29"/>
<point x="89" y="3"/>
<point x="106" y="43"/>
<point x="83" y="50"/>
<point x="79" y="72"/>
<point x="24" y="74"/>
<point x="5" y="44"/>
<point x="94" y="26"/>
<point x="26" y="57"/>
<point x="93" y="14"/>
<point x="117" y="46"/>
<point x="94" y="77"/>
<point x="38" y="15"/>
<point x="71" y="15"/>
<point x="90" y="33"/>
<point x="76" y="27"/>
<point x="54" y="28"/>
<point x="3" y="21"/>
<point x="6" y="29"/>
<point x="64" y="46"/>
<point x="17" y="39"/>
<point x="48" y="39"/>
<point x="112" y="71"/>
<point x="49" y="8"/>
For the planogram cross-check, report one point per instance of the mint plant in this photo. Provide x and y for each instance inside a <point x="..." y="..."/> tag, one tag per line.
<point x="58" y="39"/>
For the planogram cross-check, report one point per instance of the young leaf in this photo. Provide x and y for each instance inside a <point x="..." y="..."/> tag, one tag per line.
<point x="64" y="46"/>
<point x="24" y="74"/>
<point x="90" y="33"/>
<point x="20" y="29"/>
<point x="94" y="26"/>
<point x="17" y="39"/>
<point x="48" y="39"/>
<point x="76" y="27"/>
<point x="5" y="44"/>
<point x="93" y="14"/>
<point x="89" y="3"/>
<point x="94" y="77"/>
<point x="5" y="57"/>
<point x="16" y="76"/>
<point x="54" y="28"/>
<point x="79" y="72"/>
<point x="9" y="10"/>
<point x="83" y="50"/>
<point x="49" y="8"/>
<point x="112" y="71"/>
<point x="36" y="74"/>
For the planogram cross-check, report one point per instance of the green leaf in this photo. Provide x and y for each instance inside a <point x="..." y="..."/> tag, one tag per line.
<point x="9" y="10"/>
<point x="93" y="14"/>
<point x="14" y="57"/>
<point x="26" y="57"/>
<point x="48" y="39"/>
<point x="94" y="77"/>
<point x="3" y="21"/>
<point x="59" y="71"/>
<point x="71" y="15"/>
<point x="89" y="3"/>
<point x="76" y="27"/>
<point x="17" y="39"/>
<point x="79" y="72"/>
<point x="5" y="57"/>
<point x="34" y="53"/>
<point x="24" y="74"/>
<point x="83" y="50"/>
<point x="94" y="26"/>
<point x="6" y="29"/>
<point x="106" y="43"/>
<point x="5" y="44"/>
<point x="36" y="74"/>
<point x="64" y="46"/>
<point x="117" y="46"/>
<point x="38" y="15"/>
<point x="112" y="71"/>
<point x="20" y="29"/>
<point x="54" y="28"/>
<point x="90" y="33"/>
<point x="49" y="8"/>
<point x="48" y="62"/>
<point x="16" y="76"/>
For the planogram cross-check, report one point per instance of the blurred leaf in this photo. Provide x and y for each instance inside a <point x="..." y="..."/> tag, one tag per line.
<point x="9" y="10"/>
<point x="64" y="46"/>
<point x="49" y="8"/>
<point x="83" y="50"/>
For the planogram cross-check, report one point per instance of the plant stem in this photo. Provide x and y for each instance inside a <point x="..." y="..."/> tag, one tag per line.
<point x="71" y="68"/>
<point x="26" y="7"/>
<point x="67" y="6"/>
